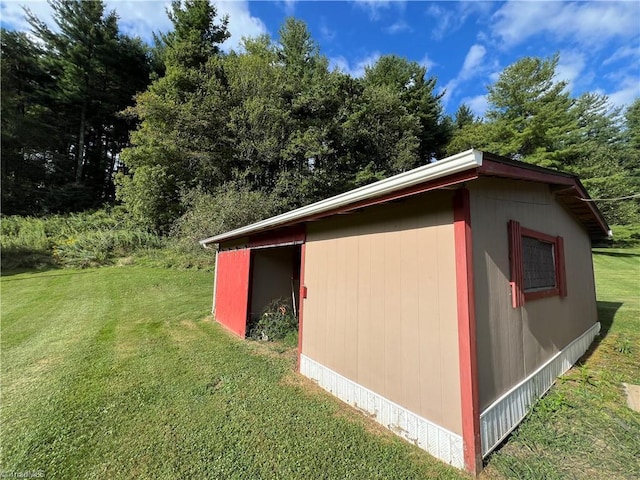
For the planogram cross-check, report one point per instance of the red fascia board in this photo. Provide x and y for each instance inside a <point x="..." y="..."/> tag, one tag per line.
<point x="500" y="169"/>
<point x="467" y="336"/>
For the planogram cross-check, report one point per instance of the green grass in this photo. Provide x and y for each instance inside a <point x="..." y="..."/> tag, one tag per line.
<point x="583" y="429"/>
<point x="118" y="373"/>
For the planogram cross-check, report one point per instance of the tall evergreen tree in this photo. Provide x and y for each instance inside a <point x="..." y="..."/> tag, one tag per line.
<point x="180" y="143"/>
<point x="409" y="82"/>
<point x="89" y="72"/>
<point x="530" y="111"/>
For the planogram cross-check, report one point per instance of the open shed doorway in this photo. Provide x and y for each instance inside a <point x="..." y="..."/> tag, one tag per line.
<point x="275" y="275"/>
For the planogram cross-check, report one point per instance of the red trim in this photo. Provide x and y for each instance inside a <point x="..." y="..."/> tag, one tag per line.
<point x="505" y="170"/>
<point x="515" y="263"/>
<point x="518" y="295"/>
<point x="550" y="292"/>
<point x="526" y="232"/>
<point x="293" y="234"/>
<point x="467" y="341"/>
<point x="302" y="297"/>
<point x="560" y="267"/>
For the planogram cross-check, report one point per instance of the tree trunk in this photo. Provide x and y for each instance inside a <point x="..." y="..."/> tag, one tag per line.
<point x="80" y="153"/>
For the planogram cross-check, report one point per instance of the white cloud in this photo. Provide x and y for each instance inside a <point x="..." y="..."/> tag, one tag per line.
<point x="356" y="68"/>
<point x="12" y="14"/>
<point x="427" y="63"/>
<point x="241" y="22"/>
<point x="477" y="104"/>
<point x="445" y="19"/>
<point x="289" y="6"/>
<point x="472" y="61"/>
<point x="588" y="23"/>
<point x="623" y="53"/>
<point x="142" y="17"/>
<point x="397" y="27"/>
<point x="328" y="35"/>
<point x="452" y="17"/>
<point x="629" y="90"/>
<point x="374" y="7"/>
<point x="474" y="65"/>
<point x="570" y="68"/>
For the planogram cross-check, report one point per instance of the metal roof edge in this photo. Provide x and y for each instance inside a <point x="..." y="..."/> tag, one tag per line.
<point x="447" y="166"/>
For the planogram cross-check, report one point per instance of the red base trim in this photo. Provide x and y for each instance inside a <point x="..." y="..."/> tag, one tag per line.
<point x="467" y="341"/>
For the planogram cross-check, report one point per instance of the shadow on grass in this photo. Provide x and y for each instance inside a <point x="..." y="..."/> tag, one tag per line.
<point x="606" y="313"/>
<point x="43" y="270"/>
<point x="617" y="254"/>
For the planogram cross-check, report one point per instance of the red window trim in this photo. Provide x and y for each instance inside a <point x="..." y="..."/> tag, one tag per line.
<point x="518" y="295"/>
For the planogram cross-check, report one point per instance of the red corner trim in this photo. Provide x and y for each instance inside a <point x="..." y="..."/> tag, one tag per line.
<point x="302" y="297"/>
<point x="515" y="263"/>
<point x="467" y="342"/>
<point x="560" y="267"/>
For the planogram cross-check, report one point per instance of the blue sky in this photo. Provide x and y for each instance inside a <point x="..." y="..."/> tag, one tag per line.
<point x="465" y="45"/>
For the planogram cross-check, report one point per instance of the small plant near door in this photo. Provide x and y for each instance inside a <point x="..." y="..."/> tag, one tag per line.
<point x="277" y="322"/>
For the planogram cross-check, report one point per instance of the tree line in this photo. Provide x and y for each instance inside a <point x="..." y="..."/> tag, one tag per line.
<point x="173" y="130"/>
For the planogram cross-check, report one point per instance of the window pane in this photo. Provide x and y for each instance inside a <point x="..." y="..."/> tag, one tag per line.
<point x="539" y="264"/>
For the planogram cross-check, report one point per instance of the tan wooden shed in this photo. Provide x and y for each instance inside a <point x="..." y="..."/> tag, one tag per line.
<point x="443" y="301"/>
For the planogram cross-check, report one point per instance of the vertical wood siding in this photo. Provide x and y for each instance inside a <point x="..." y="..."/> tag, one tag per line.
<point x="232" y="289"/>
<point x="514" y="342"/>
<point x="381" y="305"/>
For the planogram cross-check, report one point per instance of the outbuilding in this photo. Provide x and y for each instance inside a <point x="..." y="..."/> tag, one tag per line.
<point x="443" y="301"/>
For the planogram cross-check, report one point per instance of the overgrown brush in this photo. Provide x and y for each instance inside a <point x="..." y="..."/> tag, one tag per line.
<point x="277" y="322"/>
<point x="94" y="248"/>
<point x="75" y="240"/>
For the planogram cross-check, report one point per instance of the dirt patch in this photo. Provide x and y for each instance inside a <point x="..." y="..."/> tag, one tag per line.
<point x="633" y="396"/>
<point x="188" y="324"/>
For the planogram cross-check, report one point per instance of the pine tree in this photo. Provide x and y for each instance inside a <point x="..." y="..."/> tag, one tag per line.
<point x="530" y="111"/>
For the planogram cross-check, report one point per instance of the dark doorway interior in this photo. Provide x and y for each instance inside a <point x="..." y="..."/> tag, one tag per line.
<point x="275" y="274"/>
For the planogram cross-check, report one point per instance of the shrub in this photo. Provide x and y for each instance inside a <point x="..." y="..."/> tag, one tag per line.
<point x="233" y="205"/>
<point x="277" y="322"/>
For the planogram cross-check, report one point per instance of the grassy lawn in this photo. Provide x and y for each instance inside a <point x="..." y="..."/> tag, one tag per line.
<point x="118" y="373"/>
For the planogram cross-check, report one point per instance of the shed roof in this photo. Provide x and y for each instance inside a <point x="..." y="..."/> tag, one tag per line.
<point x="459" y="168"/>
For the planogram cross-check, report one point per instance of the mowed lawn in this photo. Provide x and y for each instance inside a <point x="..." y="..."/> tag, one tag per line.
<point x="119" y="373"/>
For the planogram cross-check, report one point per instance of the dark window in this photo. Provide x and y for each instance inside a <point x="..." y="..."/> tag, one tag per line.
<point x="538" y="261"/>
<point x="537" y="265"/>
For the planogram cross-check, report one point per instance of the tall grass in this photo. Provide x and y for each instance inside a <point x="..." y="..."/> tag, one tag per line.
<point x="75" y="240"/>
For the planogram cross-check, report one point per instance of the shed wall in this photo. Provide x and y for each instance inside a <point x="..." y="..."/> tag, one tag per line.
<point x="513" y="343"/>
<point x="381" y="304"/>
